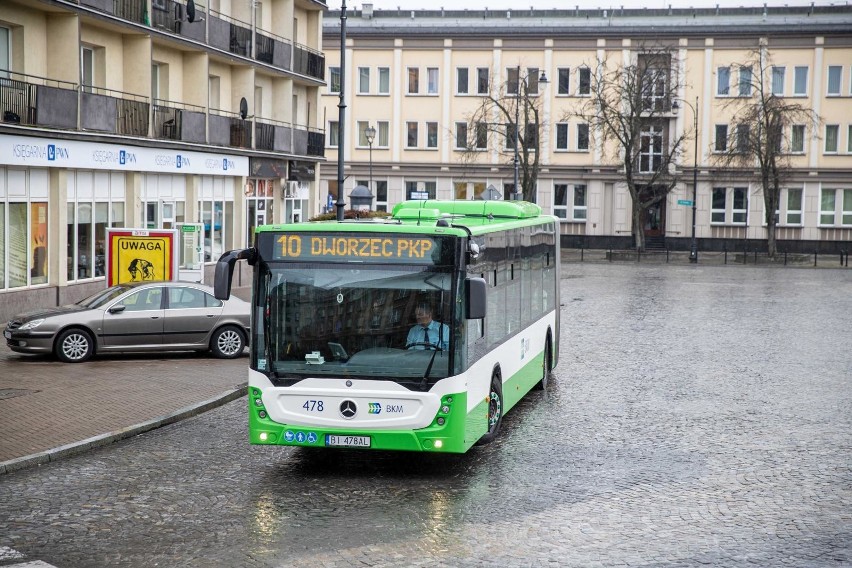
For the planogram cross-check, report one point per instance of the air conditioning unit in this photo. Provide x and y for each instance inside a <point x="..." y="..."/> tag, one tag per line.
<point x="291" y="189"/>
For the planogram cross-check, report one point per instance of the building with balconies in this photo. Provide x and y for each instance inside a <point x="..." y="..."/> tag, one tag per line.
<point x="148" y="114"/>
<point x="418" y="76"/>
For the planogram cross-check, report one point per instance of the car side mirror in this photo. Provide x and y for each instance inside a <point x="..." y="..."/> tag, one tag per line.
<point x="117" y="309"/>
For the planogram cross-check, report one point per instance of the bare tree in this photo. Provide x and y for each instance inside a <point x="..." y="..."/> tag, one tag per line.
<point x="629" y="115"/>
<point x="766" y="128"/>
<point x="508" y="110"/>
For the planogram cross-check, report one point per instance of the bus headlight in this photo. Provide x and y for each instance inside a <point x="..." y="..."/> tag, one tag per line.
<point x="445" y="409"/>
<point x="439" y="444"/>
<point x="440" y="421"/>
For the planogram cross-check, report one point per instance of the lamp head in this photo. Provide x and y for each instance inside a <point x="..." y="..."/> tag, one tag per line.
<point x="370" y="133"/>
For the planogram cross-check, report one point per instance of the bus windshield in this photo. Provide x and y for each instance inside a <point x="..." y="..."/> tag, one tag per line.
<point x="372" y="322"/>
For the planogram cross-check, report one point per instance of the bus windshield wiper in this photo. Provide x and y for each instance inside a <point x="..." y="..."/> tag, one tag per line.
<point x="429" y="367"/>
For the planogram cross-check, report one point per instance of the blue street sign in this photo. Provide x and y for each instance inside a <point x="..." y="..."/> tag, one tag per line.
<point x="686" y="202"/>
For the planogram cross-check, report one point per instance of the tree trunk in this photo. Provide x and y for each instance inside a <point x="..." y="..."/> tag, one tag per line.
<point x="771" y="242"/>
<point x="638" y="226"/>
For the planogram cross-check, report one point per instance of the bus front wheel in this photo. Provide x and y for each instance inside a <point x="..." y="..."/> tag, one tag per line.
<point x="495" y="409"/>
<point x="547" y="366"/>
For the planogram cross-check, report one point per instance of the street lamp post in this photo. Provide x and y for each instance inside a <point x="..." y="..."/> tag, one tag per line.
<point x="693" y="247"/>
<point x="370" y="133"/>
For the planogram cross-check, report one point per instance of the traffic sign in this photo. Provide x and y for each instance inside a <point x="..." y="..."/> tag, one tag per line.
<point x="686" y="202"/>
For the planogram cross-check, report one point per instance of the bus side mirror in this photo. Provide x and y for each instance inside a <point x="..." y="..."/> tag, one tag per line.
<point x="475" y="298"/>
<point x="225" y="271"/>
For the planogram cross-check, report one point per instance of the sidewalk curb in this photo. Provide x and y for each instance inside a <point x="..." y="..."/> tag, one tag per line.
<point x="106" y="439"/>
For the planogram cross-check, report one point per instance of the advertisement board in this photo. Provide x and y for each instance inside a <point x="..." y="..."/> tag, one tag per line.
<point x="140" y="255"/>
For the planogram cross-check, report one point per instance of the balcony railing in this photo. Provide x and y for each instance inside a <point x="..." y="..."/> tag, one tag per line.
<point x="229" y="34"/>
<point x="179" y="121"/>
<point x="116" y="112"/>
<point x="307" y="61"/>
<point x="272" y="49"/>
<point x="37" y="101"/>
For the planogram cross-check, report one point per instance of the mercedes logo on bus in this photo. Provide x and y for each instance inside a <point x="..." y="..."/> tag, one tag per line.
<point x="348" y="409"/>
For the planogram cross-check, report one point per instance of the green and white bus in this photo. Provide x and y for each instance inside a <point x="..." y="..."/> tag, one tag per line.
<point x="333" y="362"/>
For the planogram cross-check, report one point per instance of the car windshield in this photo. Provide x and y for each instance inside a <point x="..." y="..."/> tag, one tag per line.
<point x="370" y="322"/>
<point x="98" y="299"/>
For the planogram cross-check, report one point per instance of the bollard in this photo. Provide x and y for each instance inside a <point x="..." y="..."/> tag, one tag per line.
<point x="725" y="248"/>
<point x="815" y="258"/>
<point x="581" y="254"/>
<point x="785" y="258"/>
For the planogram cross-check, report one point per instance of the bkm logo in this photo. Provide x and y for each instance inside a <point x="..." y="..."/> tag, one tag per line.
<point x="375" y="408"/>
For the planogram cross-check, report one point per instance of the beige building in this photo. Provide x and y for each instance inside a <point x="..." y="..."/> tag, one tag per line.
<point x="148" y="114"/>
<point x="416" y="77"/>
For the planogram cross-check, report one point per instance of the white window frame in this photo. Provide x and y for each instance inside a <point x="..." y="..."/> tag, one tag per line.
<point x="362" y="126"/>
<point x="724" y="147"/>
<point x="565" y="128"/>
<point x="583" y="70"/>
<point x="408" y="77"/>
<point x="333" y="132"/>
<point x="578" y="138"/>
<point x="796" y="70"/>
<point x="466" y="80"/>
<point x="788" y="212"/>
<point x="559" y="91"/>
<point x="382" y="134"/>
<point x="364" y="73"/>
<point x="479" y="71"/>
<point x="383" y="72"/>
<point x="804" y="131"/>
<point x="570" y="211"/>
<point x="727" y="212"/>
<point x="408" y="129"/>
<point x="456" y="132"/>
<point x="723" y="89"/>
<point x="652" y="134"/>
<point x="828" y="91"/>
<point x="331" y="72"/>
<point x="433" y="80"/>
<point x="782" y="72"/>
<point x="745" y="82"/>
<point x="836" y="129"/>
<point x="480" y="126"/>
<point x="432" y="126"/>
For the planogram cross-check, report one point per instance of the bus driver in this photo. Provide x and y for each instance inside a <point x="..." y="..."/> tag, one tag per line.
<point x="427" y="333"/>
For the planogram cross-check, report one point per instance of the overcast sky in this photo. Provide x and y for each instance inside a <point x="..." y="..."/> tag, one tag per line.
<point x="566" y="4"/>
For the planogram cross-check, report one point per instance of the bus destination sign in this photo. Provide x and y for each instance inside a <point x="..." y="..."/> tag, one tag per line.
<point x="403" y="249"/>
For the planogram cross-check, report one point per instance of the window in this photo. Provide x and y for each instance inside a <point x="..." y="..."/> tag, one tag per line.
<point x="333" y="134"/>
<point x="155" y="82"/>
<point x="411" y="137"/>
<point x="723" y="81"/>
<point x="778" y="81"/>
<point x="737" y="197"/>
<point x="831" y="134"/>
<point x="461" y="135"/>
<point x="5" y="57"/>
<point x="835" y="74"/>
<point x="481" y="136"/>
<point x="849" y="139"/>
<point x="362" y="134"/>
<point x="569" y="201"/>
<point x="512" y="81"/>
<point x="334" y="80"/>
<point x="797" y="139"/>
<point x="743" y="138"/>
<point x="654" y="88"/>
<point x="384" y="80"/>
<point x="745" y="82"/>
<point x="420" y="189"/>
<point x="739" y="209"/>
<point x="800" y="81"/>
<point x="532" y="81"/>
<point x="562" y="136"/>
<point x="650" y="149"/>
<point x="87" y="56"/>
<point x="382" y="134"/>
<point x="95" y="203"/>
<point x="482" y="81"/>
<point x="531" y="137"/>
<point x="363" y="80"/>
<point x="432" y="80"/>
<point x="563" y="81"/>
<point x="829" y="200"/>
<point x="431" y="134"/>
<point x="381" y="195"/>
<point x="721" y="138"/>
<point x="583" y="137"/>
<point x="585" y="86"/>
<point x="461" y="80"/>
<point x="794" y="206"/>
<point x="413" y="80"/>
<point x="217" y="215"/>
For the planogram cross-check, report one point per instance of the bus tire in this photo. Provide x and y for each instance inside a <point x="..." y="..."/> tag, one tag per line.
<point x="495" y="409"/>
<point x="74" y="345"/>
<point x="547" y="367"/>
<point x="227" y="342"/>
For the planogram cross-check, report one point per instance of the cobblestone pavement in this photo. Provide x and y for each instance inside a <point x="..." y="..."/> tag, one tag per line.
<point x="698" y="417"/>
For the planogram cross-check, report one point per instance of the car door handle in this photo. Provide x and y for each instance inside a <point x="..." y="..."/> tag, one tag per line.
<point x="211" y="315"/>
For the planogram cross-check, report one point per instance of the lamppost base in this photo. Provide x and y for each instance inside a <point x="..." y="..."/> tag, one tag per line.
<point x="693" y="253"/>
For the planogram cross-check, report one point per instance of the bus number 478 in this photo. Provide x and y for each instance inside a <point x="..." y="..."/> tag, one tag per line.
<point x="313" y="405"/>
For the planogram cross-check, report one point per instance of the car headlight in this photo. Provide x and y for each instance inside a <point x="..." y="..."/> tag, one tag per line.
<point x="31" y="324"/>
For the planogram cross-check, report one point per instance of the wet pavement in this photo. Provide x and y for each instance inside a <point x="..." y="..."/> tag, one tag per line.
<point x="699" y="416"/>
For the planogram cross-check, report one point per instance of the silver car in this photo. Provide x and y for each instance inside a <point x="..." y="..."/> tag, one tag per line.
<point x="151" y="316"/>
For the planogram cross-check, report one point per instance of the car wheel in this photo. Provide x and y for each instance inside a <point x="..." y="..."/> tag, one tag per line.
<point x="74" y="346"/>
<point x="495" y="409"/>
<point x="227" y="343"/>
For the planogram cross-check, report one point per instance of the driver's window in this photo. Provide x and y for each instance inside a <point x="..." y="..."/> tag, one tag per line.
<point x="148" y="299"/>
